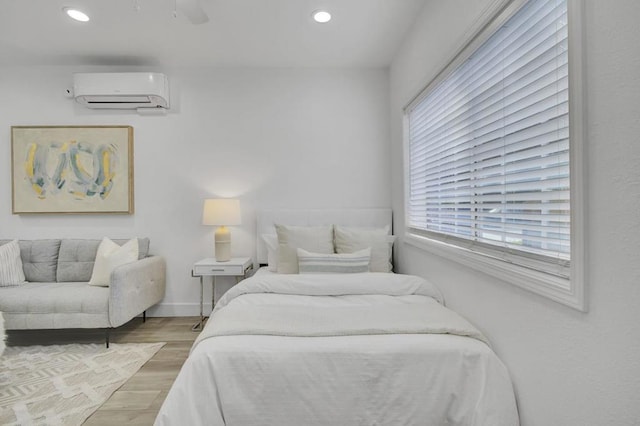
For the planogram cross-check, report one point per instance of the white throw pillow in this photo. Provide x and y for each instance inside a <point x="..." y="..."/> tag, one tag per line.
<point x="349" y="240"/>
<point x="111" y="255"/>
<point x="11" y="272"/>
<point x="333" y="263"/>
<point x="271" y="241"/>
<point x="318" y="239"/>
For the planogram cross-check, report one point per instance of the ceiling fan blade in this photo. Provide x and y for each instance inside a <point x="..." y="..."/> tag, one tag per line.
<point x="193" y="10"/>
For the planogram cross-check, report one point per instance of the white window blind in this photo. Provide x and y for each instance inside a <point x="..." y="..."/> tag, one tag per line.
<point x="489" y="146"/>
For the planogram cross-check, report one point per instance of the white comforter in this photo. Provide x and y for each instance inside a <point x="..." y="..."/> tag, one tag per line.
<point x="352" y="349"/>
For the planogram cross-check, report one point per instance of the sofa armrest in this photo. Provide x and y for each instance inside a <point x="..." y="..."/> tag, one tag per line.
<point x="135" y="287"/>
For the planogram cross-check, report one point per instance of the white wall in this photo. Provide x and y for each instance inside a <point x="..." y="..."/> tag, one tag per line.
<point x="296" y="138"/>
<point x="569" y="368"/>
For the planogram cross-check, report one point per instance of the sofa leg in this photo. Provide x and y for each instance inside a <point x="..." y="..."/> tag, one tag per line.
<point x="106" y="337"/>
<point x="144" y="316"/>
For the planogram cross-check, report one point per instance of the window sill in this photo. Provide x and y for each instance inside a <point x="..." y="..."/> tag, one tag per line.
<point x="552" y="287"/>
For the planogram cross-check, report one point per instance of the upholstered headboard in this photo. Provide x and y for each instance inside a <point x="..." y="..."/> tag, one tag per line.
<point x="350" y="217"/>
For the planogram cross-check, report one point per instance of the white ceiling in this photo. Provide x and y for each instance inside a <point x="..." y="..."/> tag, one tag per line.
<point x="247" y="33"/>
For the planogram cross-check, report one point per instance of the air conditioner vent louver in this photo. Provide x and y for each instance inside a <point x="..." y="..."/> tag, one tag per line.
<point x="121" y="90"/>
<point x="118" y="102"/>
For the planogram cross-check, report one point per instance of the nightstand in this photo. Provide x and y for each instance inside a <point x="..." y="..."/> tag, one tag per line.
<point x="237" y="267"/>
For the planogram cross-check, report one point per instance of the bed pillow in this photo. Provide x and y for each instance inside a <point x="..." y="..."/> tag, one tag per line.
<point x="349" y="240"/>
<point x="333" y="263"/>
<point x="11" y="272"/>
<point x="111" y="255"/>
<point x="271" y="242"/>
<point x="317" y="239"/>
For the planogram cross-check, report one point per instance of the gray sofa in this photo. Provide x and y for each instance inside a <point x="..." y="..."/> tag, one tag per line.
<point x="57" y="295"/>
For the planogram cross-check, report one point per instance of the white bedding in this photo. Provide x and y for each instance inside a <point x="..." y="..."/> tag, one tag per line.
<point x="285" y="350"/>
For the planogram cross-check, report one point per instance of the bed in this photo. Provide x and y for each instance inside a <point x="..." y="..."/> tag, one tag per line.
<point x="362" y="348"/>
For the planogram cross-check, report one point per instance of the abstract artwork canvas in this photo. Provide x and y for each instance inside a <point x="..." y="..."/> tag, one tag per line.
<point x="72" y="169"/>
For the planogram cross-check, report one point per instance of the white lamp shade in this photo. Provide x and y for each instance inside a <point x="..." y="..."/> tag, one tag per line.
<point x="221" y="211"/>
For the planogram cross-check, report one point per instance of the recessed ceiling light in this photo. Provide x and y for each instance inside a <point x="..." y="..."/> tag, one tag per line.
<point x="321" y="16"/>
<point x="76" y="14"/>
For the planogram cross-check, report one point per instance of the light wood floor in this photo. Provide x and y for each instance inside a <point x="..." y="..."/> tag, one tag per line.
<point x="138" y="401"/>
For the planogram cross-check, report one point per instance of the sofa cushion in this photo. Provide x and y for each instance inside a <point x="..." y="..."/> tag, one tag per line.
<point x="75" y="262"/>
<point x="55" y="305"/>
<point x="39" y="259"/>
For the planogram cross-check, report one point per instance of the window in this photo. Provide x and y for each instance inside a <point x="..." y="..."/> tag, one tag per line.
<point x="490" y="147"/>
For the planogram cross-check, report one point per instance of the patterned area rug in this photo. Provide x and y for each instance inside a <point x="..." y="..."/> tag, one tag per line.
<point x="64" y="384"/>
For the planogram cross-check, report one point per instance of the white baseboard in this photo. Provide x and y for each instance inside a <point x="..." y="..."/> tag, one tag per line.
<point x="178" y="310"/>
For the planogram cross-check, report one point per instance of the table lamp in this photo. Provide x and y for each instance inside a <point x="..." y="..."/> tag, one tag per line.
<point x="222" y="212"/>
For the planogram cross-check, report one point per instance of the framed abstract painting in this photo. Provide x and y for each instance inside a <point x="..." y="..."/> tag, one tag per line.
<point x="72" y="169"/>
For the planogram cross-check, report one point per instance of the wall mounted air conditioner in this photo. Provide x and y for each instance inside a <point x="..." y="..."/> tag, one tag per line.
<point x="129" y="90"/>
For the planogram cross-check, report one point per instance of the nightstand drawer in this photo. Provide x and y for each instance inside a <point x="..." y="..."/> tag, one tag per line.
<point x="218" y="270"/>
<point x="237" y="266"/>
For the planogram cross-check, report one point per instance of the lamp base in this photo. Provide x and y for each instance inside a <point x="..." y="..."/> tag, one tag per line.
<point x="223" y="244"/>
